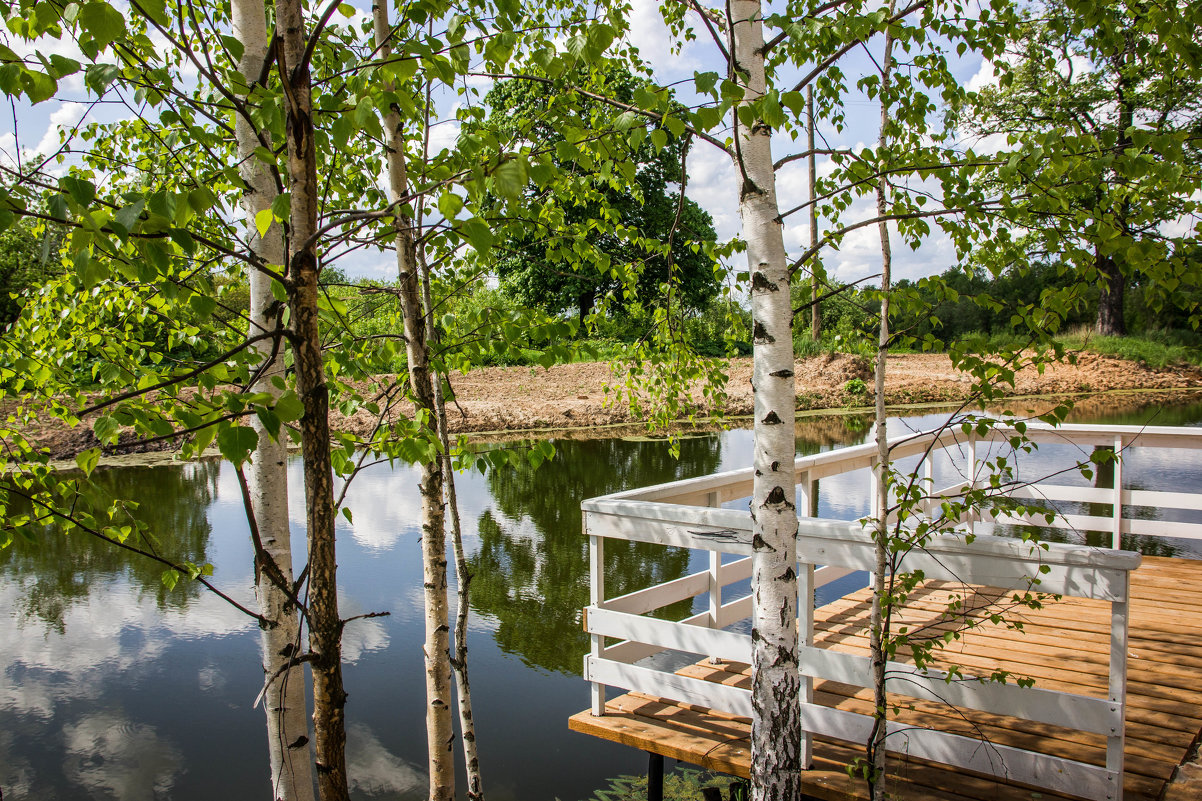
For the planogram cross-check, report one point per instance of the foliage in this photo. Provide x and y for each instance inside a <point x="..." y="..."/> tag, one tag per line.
<point x="1098" y="107"/>
<point x="28" y="258"/>
<point x="684" y="784"/>
<point x="644" y="242"/>
<point x="519" y="579"/>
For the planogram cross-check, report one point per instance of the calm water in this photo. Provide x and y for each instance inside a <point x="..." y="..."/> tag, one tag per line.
<point x="114" y="688"/>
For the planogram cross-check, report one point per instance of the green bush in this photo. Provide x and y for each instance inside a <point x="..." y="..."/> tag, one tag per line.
<point x="683" y="784"/>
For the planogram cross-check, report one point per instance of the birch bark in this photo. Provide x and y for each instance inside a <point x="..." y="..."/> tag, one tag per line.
<point x="776" y="723"/>
<point x="463" y="687"/>
<point x="815" y="268"/>
<point x="325" y="625"/>
<point x="267" y="472"/>
<point x="878" y="623"/>
<point x="440" y="735"/>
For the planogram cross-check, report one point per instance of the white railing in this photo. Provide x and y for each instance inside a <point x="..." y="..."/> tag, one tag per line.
<point x="689" y="514"/>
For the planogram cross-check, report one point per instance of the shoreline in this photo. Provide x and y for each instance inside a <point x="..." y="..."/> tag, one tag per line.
<point x="507" y="403"/>
<point x="1177" y="395"/>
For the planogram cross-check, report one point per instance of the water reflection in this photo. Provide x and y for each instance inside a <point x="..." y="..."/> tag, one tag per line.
<point x="110" y="756"/>
<point x="114" y="688"/>
<point x="530" y="572"/>
<point x="375" y="771"/>
<point x="174" y="501"/>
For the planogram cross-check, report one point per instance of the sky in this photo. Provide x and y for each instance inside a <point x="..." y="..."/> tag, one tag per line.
<point x="711" y="174"/>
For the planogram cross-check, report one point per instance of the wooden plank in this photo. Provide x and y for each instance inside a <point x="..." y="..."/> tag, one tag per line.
<point x="1064" y="645"/>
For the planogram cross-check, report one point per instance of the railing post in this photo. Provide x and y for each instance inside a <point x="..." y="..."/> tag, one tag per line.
<point x="805" y="612"/>
<point x="1117" y="541"/>
<point x="596" y="555"/>
<point x="715" y="581"/>
<point x="1116" y="740"/>
<point x="973" y="515"/>
<point x="928" y="477"/>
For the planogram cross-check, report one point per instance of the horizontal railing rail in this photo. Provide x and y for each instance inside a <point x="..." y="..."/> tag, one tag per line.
<point x="688" y="514"/>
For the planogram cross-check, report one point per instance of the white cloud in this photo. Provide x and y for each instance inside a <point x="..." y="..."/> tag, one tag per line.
<point x="651" y="36"/>
<point x="985" y="77"/>
<point x="109" y="755"/>
<point x="374" y="770"/>
<point x="62" y="120"/>
<point x="713" y="184"/>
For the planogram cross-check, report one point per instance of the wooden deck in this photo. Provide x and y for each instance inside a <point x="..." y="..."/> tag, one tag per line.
<point x="1064" y="646"/>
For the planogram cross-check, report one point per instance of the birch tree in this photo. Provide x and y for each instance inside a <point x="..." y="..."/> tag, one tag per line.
<point x="776" y="726"/>
<point x="266" y="479"/>
<point x="880" y="576"/>
<point x="325" y="624"/>
<point x="439" y="732"/>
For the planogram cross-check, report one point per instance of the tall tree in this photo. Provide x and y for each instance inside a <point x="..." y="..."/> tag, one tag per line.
<point x="650" y="236"/>
<point x="877" y="778"/>
<point x="301" y="271"/>
<point x="1100" y="109"/>
<point x="776" y="723"/>
<point x="266" y="476"/>
<point x="440" y="735"/>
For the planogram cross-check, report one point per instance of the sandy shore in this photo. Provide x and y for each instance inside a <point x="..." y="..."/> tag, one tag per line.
<point x="573" y="396"/>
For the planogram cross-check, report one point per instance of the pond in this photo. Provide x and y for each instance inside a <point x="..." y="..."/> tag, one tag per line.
<point x="115" y="688"/>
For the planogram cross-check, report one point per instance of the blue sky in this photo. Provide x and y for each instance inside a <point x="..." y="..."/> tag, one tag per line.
<point x="711" y="175"/>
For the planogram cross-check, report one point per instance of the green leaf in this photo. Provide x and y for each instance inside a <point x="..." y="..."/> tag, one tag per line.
<point x="86" y="460"/>
<point x="510" y="177"/>
<point x="449" y="205"/>
<point x="81" y="191"/>
<point x="106" y="428"/>
<point x="203" y="438"/>
<point x="127" y="216"/>
<point x="289" y="407"/>
<point x="103" y="23"/>
<point x="263" y="221"/>
<point x="478" y="234"/>
<point x="99" y="77"/>
<point x="236" y="443"/>
<point x="37" y="85"/>
<point x="61" y="66"/>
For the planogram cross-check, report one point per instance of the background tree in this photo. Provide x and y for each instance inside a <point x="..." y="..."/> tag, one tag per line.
<point x="28" y="258"/>
<point x="1101" y="113"/>
<point x="644" y="209"/>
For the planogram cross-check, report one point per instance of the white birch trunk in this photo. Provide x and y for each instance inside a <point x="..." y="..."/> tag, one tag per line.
<point x="463" y="687"/>
<point x="267" y="472"/>
<point x="440" y="734"/>
<point x="815" y="264"/>
<point x="877" y="624"/>
<point x="776" y="723"/>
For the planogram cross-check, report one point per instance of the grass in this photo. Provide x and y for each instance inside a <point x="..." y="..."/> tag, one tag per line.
<point x="1155" y="348"/>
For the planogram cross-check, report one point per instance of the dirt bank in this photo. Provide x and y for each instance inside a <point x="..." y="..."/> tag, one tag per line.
<point x="507" y="399"/>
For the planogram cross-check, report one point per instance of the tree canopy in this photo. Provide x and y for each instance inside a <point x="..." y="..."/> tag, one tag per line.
<point x="1101" y="113"/>
<point x="653" y="234"/>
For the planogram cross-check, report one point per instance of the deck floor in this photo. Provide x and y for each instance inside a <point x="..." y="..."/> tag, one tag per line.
<point x="1064" y="646"/>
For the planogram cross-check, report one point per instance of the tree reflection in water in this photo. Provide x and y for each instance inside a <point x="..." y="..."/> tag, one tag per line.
<point x="59" y="570"/>
<point x="531" y="571"/>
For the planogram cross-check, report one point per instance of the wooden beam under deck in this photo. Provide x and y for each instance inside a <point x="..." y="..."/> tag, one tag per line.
<point x="1063" y="646"/>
